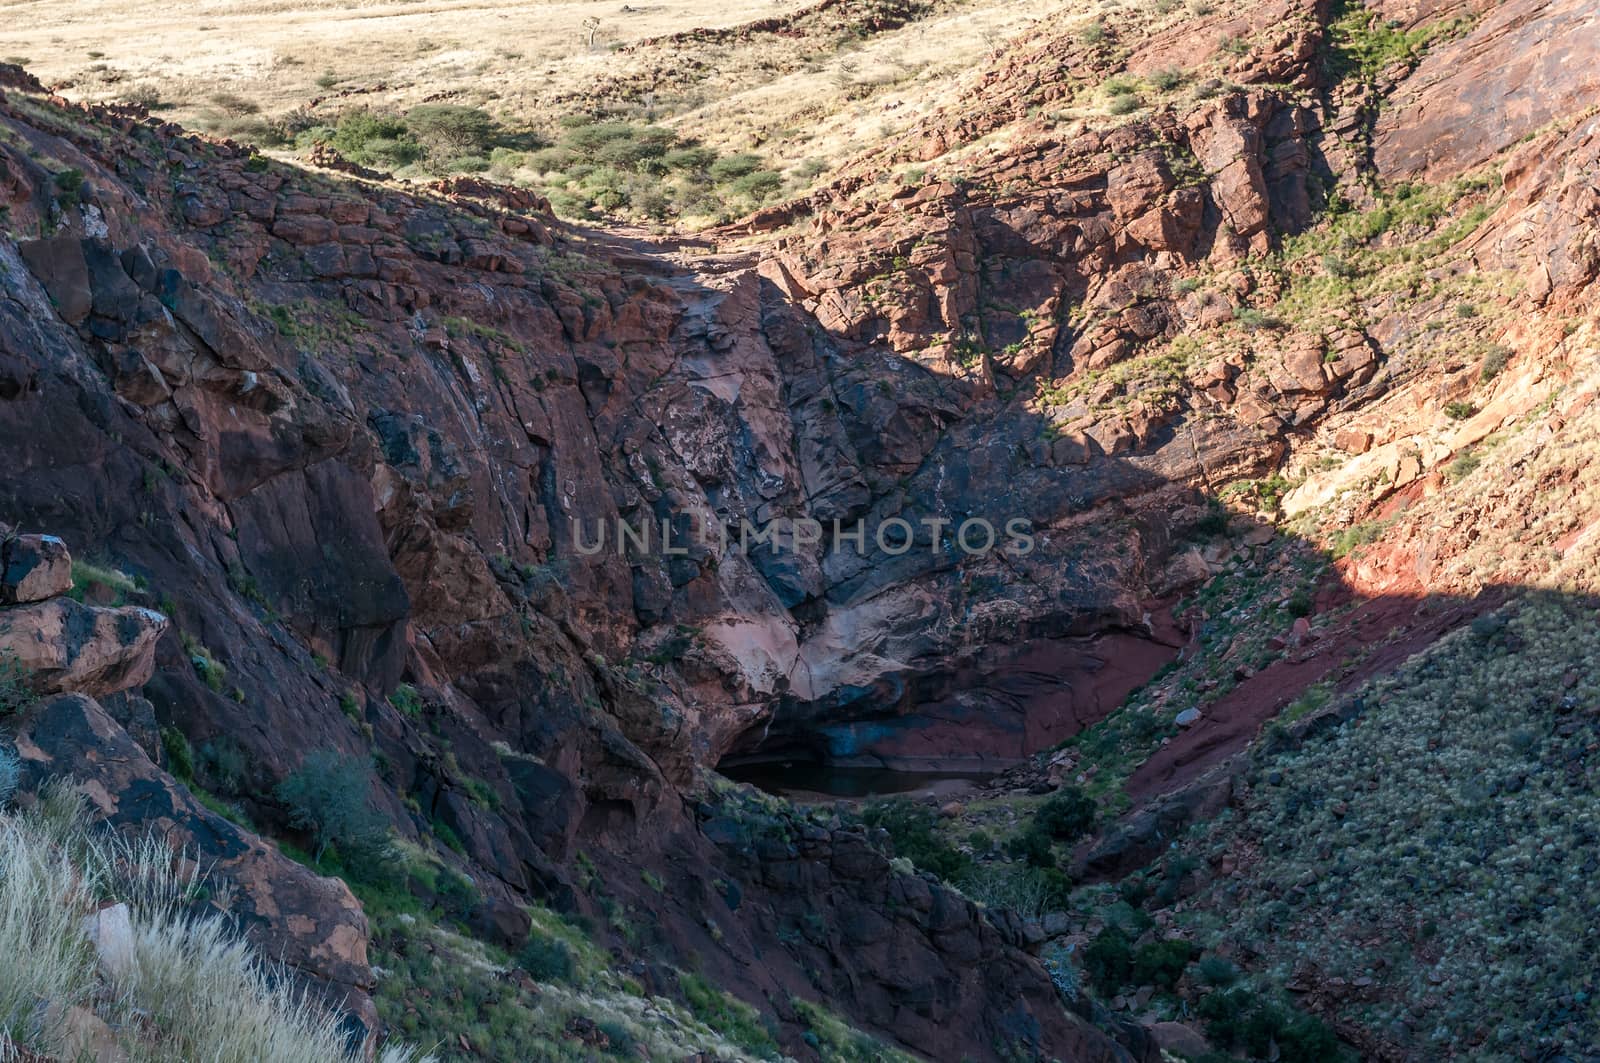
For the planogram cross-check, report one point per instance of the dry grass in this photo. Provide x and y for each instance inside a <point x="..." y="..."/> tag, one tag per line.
<point x="191" y="988"/>
<point x="804" y="102"/>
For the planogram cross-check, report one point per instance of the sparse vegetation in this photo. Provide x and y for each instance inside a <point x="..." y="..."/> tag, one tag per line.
<point x="1418" y="842"/>
<point x="115" y="585"/>
<point x="16" y="688"/>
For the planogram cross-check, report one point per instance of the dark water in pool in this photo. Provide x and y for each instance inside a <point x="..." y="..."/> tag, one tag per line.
<point x="802" y="778"/>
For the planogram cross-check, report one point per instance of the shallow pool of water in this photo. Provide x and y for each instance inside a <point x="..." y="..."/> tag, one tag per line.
<point x="815" y="780"/>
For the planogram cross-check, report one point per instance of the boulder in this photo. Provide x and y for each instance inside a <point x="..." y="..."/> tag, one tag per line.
<point x="1353" y="440"/>
<point x="33" y="568"/>
<point x="500" y="923"/>
<point x="58" y="264"/>
<point x="66" y="645"/>
<point x="1179" y="1039"/>
<point x="111" y="932"/>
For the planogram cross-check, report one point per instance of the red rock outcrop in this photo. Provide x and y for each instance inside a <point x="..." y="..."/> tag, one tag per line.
<point x="1523" y="65"/>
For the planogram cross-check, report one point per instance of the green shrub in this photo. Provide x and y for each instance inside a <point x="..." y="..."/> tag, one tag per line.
<point x="1108" y="960"/>
<point x="644" y="149"/>
<point x="1356" y="536"/>
<point x="69" y="187"/>
<point x="1254" y="319"/>
<point x="1238" y="1019"/>
<point x="1161" y="963"/>
<point x="1216" y="971"/>
<point x="407" y="700"/>
<point x="1494" y="362"/>
<point x="1464" y="465"/>
<point x="757" y="187"/>
<point x="16" y="689"/>
<point x="730" y="167"/>
<point x="619" y="1039"/>
<point x="912" y="829"/>
<point x="1032" y="846"/>
<point x="589" y="138"/>
<point x="1067" y="815"/>
<point x="180" y="758"/>
<point x="225" y="763"/>
<point x="1459" y="411"/>
<point x="1213" y="524"/>
<point x="727" y="1015"/>
<point x="696" y="159"/>
<point x="446" y="130"/>
<point x="10" y="774"/>
<point x="1122" y="105"/>
<point x="372" y="138"/>
<point x="327" y="797"/>
<point x="1167" y="79"/>
<point x="547" y="959"/>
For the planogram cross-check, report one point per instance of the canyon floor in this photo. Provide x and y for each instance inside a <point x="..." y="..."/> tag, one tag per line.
<point x="331" y="334"/>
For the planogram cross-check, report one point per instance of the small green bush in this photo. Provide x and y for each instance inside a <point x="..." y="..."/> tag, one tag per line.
<point x="1216" y="971"/>
<point x="1067" y="815"/>
<point x="180" y="758"/>
<point x="327" y="797"/>
<point x="1465" y="464"/>
<point x="372" y="138"/>
<point x="730" y="167"/>
<point x="620" y="1041"/>
<point x="16" y="690"/>
<point x="10" y="774"/>
<point x="1238" y="1019"/>
<point x="1033" y="847"/>
<point x="1255" y="320"/>
<point x="697" y="159"/>
<point x="69" y="187"/>
<point x="1108" y="960"/>
<point x="757" y="187"/>
<point x="1167" y="79"/>
<point x="1161" y="963"/>
<point x="726" y="1014"/>
<point x="547" y="959"/>
<point x="913" y="830"/>
<point x="1494" y="362"/>
<point x="407" y="700"/>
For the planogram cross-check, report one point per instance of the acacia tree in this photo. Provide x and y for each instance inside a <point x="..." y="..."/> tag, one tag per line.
<point x="327" y="796"/>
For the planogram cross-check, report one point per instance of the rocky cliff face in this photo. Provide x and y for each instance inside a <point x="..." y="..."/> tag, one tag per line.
<point x="342" y="438"/>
